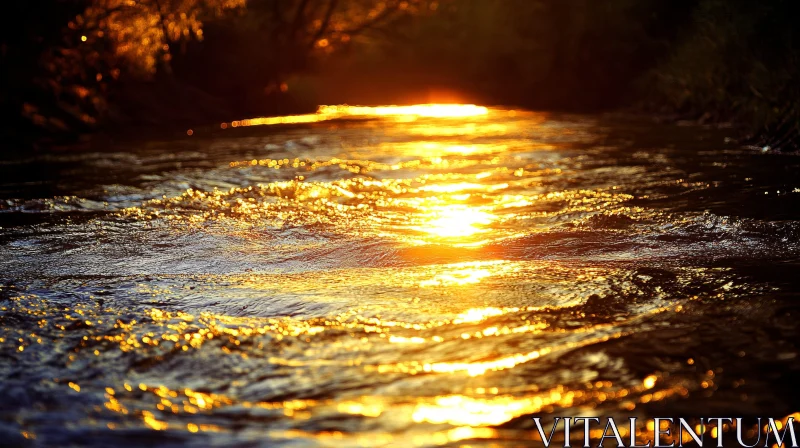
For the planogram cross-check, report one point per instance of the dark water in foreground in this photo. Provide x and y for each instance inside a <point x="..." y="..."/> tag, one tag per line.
<point x="395" y="281"/>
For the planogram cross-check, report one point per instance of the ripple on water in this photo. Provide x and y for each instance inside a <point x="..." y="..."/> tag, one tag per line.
<point x="414" y="277"/>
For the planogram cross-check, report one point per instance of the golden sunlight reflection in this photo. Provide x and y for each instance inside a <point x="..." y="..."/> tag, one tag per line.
<point x="464" y="276"/>
<point x="409" y="280"/>
<point x="479" y="314"/>
<point x="503" y="362"/>
<point x="464" y="410"/>
<point x="420" y="110"/>
<point x="446" y="149"/>
<point x="434" y="189"/>
<point x="417" y="439"/>
<point x="489" y="407"/>
<point x="402" y="113"/>
<point x="407" y="346"/>
<point x="455" y="221"/>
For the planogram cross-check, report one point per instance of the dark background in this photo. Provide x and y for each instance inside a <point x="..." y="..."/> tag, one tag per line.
<point x="714" y="61"/>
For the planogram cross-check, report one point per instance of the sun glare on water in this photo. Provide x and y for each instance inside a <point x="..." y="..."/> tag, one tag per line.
<point x="325" y="113"/>
<point x="456" y="221"/>
<point x="419" y="110"/>
<point x="431" y="248"/>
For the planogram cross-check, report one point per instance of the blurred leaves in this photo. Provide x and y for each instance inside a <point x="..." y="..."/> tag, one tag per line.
<point x="737" y="61"/>
<point x="717" y="60"/>
<point x="96" y="46"/>
<point x="140" y="32"/>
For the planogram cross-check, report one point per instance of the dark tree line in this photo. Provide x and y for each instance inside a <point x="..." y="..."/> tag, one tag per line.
<point x="71" y="66"/>
<point x="84" y="64"/>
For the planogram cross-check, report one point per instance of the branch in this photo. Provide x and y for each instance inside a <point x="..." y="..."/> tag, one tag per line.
<point x="299" y="15"/>
<point x="162" y="21"/>
<point x="278" y="23"/>
<point x="277" y="11"/>
<point x="323" y="27"/>
<point x="164" y="30"/>
<point x="370" y="23"/>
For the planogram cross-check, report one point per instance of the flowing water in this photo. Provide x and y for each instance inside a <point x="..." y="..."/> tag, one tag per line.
<point x="394" y="277"/>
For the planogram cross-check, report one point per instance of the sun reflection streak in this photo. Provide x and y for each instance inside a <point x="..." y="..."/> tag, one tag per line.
<point x="415" y="190"/>
<point x="419" y="110"/>
<point x="456" y="221"/>
<point x="401" y="113"/>
<point x="458" y="277"/>
<point x="480" y="314"/>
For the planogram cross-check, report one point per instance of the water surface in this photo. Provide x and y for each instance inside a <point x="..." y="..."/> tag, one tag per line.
<point x="394" y="277"/>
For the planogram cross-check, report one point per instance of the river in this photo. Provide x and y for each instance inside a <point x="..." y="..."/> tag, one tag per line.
<point x="412" y="276"/>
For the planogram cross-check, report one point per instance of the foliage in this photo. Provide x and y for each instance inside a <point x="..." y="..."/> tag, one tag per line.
<point x="260" y="56"/>
<point x="98" y="42"/>
<point x="140" y="32"/>
<point x="299" y="32"/>
<point x="716" y="59"/>
<point x="324" y="23"/>
<point x="737" y="61"/>
<point x="534" y="53"/>
<point x="105" y="45"/>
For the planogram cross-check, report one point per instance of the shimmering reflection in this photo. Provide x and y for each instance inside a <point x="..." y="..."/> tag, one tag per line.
<point x="408" y="276"/>
<point x="399" y="113"/>
<point x="464" y="274"/>
<point x="455" y="191"/>
<point x="455" y="221"/>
